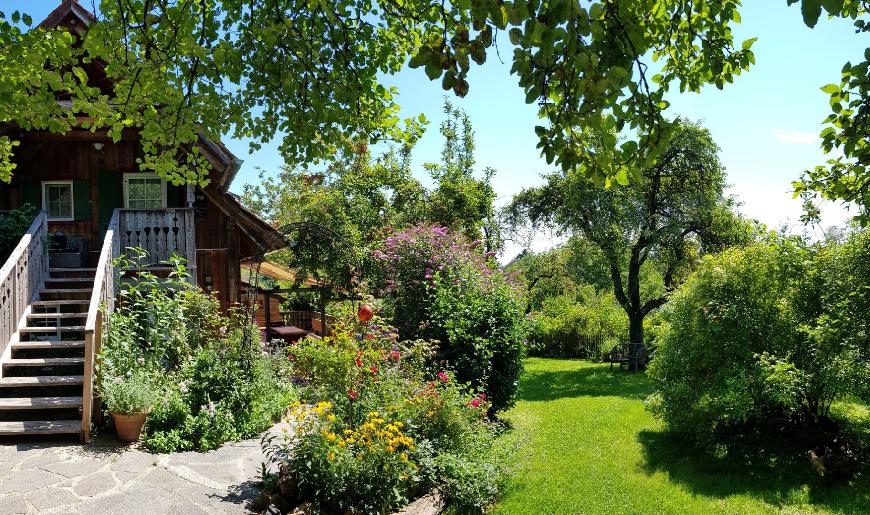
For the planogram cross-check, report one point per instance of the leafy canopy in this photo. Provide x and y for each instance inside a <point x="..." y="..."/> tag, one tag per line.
<point x="313" y="70"/>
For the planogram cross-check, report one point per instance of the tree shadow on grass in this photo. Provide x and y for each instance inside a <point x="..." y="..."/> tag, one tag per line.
<point x="592" y="380"/>
<point x="776" y="476"/>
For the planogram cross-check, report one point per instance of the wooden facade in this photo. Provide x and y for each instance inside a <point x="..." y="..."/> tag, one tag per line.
<point x="221" y="238"/>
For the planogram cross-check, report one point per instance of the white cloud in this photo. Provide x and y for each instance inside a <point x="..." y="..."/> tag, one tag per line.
<point x="795" y="137"/>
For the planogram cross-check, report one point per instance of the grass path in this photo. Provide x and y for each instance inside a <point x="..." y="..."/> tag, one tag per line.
<point x="583" y="443"/>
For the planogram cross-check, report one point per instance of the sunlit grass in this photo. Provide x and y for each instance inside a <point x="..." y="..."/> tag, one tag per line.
<point x="585" y="444"/>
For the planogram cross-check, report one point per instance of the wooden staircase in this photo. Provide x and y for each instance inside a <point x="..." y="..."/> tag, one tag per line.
<point x="41" y="382"/>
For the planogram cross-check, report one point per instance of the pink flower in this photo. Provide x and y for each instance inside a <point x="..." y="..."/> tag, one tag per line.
<point x="395" y="355"/>
<point x="374" y="369"/>
<point x="353" y="394"/>
<point x="474" y="403"/>
<point x="443" y="376"/>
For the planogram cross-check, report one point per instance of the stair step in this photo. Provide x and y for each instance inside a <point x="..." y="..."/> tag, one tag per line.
<point x="51" y="329"/>
<point x="23" y="403"/>
<point x="18" y="382"/>
<point x="55" y="291"/>
<point x="69" y="279"/>
<point x="64" y="302"/>
<point x="53" y="270"/>
<point x="57" y="315"/>
<point x="51" y="344"/>
<point x="40" y="427"/>
<point x="43" y="362"/>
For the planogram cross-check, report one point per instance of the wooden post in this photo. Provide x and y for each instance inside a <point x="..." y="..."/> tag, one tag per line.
<point x="191" y="195"/>
<point x="268" y="315"/>
<point x="233" y="271"/>
<point x="88" y="388"/>
<point x="323" y="325"/>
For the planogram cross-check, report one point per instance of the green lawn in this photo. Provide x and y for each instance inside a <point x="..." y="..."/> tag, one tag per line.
<point x="583" y="443"/>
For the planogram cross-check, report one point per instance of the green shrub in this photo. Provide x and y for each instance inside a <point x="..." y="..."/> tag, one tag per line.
<point x="13" y="225"/>
<point x="749" y="339"/>
<point x="584" y="326"/>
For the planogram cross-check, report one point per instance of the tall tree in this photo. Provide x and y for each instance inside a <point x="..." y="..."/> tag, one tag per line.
<point x="674" y="211"/>
<point x="460" y="200"/>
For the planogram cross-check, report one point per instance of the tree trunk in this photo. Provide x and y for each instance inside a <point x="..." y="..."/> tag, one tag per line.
<point x="635" y="327"/>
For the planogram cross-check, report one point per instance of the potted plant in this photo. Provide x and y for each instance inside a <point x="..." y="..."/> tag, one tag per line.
<point x="128" y="399"/>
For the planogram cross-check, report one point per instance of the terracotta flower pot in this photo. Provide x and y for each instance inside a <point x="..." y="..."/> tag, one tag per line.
<point x="129" y="427"/>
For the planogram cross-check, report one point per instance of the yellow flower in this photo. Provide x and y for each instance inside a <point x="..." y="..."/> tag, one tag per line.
<point x="330" y="456"/>
<point x="350" y="441"/>
<point x="390" y="448"/>
<point x="403" y="457"/>
<point x="348" y="432"/>
<point x="330" y="418"/>
<point x="341" y="443"/>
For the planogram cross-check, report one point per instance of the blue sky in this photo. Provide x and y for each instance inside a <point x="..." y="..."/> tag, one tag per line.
<point x="766" y="123"/>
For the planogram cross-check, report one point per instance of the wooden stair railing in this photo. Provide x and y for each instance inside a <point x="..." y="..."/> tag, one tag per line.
<point x="20" y="280"/>
<point x="101" y="305"/>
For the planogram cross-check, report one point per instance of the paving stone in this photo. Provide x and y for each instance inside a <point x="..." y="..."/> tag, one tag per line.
<point x="95" y="484"/>
<point x="13" y="505"/>
<point x="28" y="481"/>
<point x="51" y="498"/>
<point x="129" y="502"/>
<point x="134" y="461"/>
<point x="39" y="460"/>
<point x="76" y="468"/>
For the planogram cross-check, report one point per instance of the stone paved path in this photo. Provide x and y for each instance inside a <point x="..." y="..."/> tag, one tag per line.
<point x="104" y="478"/>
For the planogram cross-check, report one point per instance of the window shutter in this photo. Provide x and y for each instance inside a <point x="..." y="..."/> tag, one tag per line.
<point x="30" y="194"/>
<point x="82" y="200"/>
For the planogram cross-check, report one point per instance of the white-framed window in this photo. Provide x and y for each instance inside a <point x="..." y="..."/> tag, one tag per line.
<point x="57" y="199"/>
<point x="144" y="191"/>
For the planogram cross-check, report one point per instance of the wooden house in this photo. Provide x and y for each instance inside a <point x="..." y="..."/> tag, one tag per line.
<point x="89" y="190"/>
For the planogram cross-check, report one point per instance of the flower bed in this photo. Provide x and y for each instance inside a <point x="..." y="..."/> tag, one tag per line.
<point x="380" y="429"/>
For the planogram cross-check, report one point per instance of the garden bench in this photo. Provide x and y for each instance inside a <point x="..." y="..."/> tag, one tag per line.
<point x="634" y="356"/>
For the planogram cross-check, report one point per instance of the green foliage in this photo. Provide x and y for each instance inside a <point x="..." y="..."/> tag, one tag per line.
<point x="249" y="69"/>
<point x="382" y="428"/>
<point x="13" y="225"/>
<point x="477" y="322"/>
<point x="461" y="201"/>
<point x="845" y="176"/>
<point x="752" y="336"/>
<point x="205" y="369"/>
<point x="584" y="326"/>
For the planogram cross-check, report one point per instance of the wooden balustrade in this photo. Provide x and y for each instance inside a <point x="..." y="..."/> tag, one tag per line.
<point x="160" y="232"/>
<point x="21" y="277"/>
<point x="101" y="306"/>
